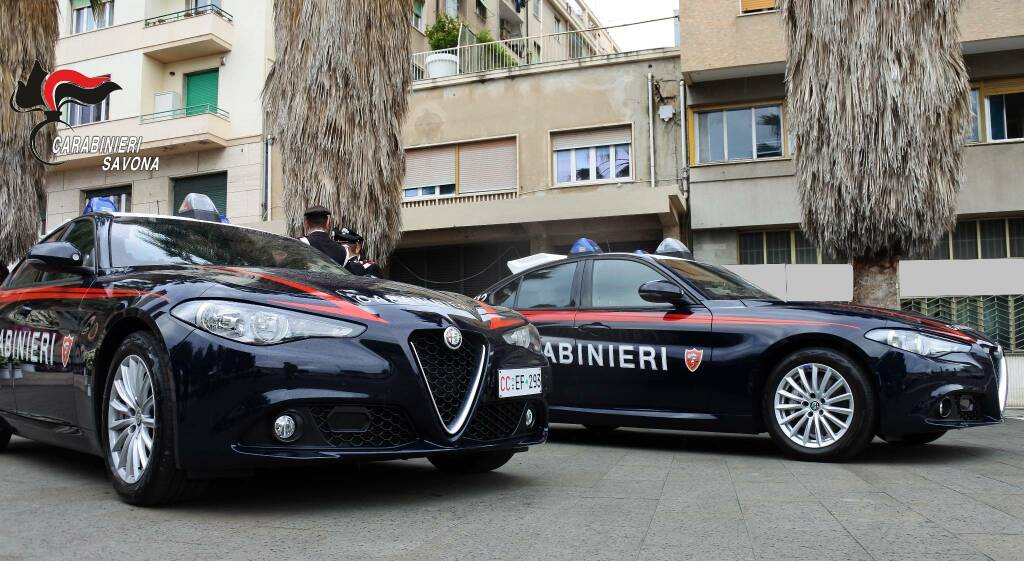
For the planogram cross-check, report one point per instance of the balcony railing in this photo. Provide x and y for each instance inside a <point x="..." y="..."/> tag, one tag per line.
<point x="184" y="14"/>
<point x="519" y="52"/>
<point x="200" y="109"/>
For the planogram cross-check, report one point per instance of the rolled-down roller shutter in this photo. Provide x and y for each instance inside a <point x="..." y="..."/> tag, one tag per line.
<point x="426" y="167"/>
<point x="591" y="137"/>
<point x="1004" y="86"/>
<point x="755" y="5"/>
<point x="488" y="166"/>
<point x="214" y="185"/>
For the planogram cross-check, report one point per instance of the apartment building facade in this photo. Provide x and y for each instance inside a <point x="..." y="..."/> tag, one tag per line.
<point x="744" y="207"/>
<point x="190" y="72"/>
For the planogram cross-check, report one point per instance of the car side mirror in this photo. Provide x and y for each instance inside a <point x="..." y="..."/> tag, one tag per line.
<point x="663" y="292"/>
<point x="58" y="257"/>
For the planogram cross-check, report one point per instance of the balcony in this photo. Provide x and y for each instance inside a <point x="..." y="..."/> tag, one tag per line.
<point x="165" y="133"/>
<point x="520" y="53"/>
<point x="186" y="34"/>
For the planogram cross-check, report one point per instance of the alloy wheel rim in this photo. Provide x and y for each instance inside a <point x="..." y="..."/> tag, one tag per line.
<point x="814" y="405"/>
<point x="131" y="419"/>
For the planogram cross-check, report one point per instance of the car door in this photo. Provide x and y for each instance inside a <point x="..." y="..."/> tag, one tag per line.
<point x="45" y="321"/>
<point x="635" y="354"/>
<point x="548" y="297"/>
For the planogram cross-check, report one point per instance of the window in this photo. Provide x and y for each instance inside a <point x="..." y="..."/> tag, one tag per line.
<point x="451" y="7"/>
<point x="547" y="288"/>
<point x="744" y="133"/>
<point x="481" y="9"/>
<point x="83" y="19"/>
<point x="122" y="196"/>
<point x="601" y="155"/>
<point x="469" y="168"/>
<point x="75" y="114"/>
<point x="559" y="27"/>
<point x="780" y="247"/>
<point x="1006" y="116"/>
<point x="616" y="284"/>
<point x="717" y="283"/>
<point x="974" y="129"/>
<point x="537" y="7"/>
<point x="506" y="295"/>
<point x="200" y="4"/>
<point x="82" y="235"/>
<point x="417" y="20"/>
<point x="985" y="239"/>
<point x="748" y="6"/>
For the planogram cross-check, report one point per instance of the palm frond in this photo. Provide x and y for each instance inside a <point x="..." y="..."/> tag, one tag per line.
<point x="335" y="101"/>
<point x="878" y="104"/>
<point x="21" y="176"/>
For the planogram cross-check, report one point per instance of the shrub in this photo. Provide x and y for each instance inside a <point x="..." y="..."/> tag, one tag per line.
<point x="444" y="33"/>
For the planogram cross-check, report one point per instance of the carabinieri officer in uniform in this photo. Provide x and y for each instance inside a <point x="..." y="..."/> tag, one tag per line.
<point x="317" y="225"/>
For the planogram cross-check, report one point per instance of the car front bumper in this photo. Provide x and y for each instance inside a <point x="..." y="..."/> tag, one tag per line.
<point x="353" y="399"/>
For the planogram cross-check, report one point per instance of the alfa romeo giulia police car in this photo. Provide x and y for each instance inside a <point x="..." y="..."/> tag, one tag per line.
<point x="666" y="342"/>
<point x="175" y="347"/>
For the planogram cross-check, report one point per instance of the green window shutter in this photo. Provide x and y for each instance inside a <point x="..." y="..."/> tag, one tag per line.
<point x="214" y="186"/>
<point x="76" y="4"/>
<point x="201" y="92"/>
<point x="417" y="8"/>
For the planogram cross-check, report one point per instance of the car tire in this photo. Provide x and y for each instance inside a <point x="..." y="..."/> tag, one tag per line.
<point x="141" y="368"/>
<point x="471" y="462"/>
<point x="599" y="429"/>
<point x="919" y="439"/>
<point x="811" y="427"/>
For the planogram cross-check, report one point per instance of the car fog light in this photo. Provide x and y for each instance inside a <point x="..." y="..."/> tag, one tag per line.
<point x="966" y="403"/>
<point x="286" y="428"/>
<point x="945" y="407"/>
<point x="529" y="418"/>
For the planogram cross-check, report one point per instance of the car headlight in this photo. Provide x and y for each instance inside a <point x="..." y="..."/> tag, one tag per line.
<point x="260" y="325"/>
<point x="526" y="336"/>
<point x="916" y="342"/>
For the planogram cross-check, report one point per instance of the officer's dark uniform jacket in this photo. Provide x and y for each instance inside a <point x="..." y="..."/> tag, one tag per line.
<point x="326" y="244"/>
<point x="357" y="266"/>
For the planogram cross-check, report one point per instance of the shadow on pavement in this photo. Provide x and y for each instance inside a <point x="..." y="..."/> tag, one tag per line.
<point x="946" y="452"/>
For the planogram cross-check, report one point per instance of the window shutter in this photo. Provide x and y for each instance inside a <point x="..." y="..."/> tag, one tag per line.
<point x="592" y="137"/>
<point x="76" y="4"/>
<point x="756" y="5"/>
<point x="1005" y="86"/>
<point x="425" y="167"/>
<point x="214" y="186"/>
<point x="201" y="92"/>
<point x="488" y="166"/>
<point x="417" y="8"/>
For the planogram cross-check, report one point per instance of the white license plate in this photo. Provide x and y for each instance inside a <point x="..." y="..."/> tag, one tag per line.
<point x="519" y="381"/>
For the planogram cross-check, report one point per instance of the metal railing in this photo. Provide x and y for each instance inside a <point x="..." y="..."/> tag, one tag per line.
<point x="184" y="14"/>
<point x="461" y="198"/>
<point x="200" y="109"/>
<point x="519" y="52"/>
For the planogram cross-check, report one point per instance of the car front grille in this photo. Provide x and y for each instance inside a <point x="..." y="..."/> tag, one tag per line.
<point x="450" y="374"/>
<point x="386" y="427"/>
<point x="495" y="421"/>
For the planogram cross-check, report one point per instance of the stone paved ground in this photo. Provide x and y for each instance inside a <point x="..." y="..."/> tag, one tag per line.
<point x="637" y="495"/>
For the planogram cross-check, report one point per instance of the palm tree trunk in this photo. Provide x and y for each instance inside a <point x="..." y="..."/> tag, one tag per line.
<point x="876" y="282"/>
<point x="22" y="182"/>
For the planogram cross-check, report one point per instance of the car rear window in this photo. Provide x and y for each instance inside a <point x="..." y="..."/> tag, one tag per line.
<point x="186" y="242"/>
<point x="716" y="283"/>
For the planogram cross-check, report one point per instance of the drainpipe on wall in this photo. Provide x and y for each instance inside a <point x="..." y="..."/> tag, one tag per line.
<point x="268" y="143"/>
<point x="684" y="134"/>
<point x="650" y="120"/>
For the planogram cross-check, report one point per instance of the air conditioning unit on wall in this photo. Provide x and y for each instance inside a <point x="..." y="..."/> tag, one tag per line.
<point x="164" y="104"/>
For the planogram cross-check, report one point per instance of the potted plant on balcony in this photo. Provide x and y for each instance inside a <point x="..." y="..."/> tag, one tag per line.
<point x="443" y="37"/>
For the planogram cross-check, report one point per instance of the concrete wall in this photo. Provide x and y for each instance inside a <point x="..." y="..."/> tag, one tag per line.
<point x="752" y="44"/>
<point x="610" y="91"/>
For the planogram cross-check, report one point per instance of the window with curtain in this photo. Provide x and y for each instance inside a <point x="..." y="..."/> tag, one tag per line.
<point x="83" y="19"/>
<point x="451" y="7"/>
<point x="75" y="114"/>
<point x="417" y="15"/>
<point x="740" y="133"/>
<point x="974" y="128"/>
<point x="595" y="155"/>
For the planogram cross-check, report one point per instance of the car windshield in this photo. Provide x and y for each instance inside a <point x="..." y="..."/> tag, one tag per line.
<point x="716" y="283"/>
<point x="141" y="242"/>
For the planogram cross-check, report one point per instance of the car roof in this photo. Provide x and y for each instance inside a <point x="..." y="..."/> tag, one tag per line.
<point x="167" y="217"/>
<point x="575" y="257"/>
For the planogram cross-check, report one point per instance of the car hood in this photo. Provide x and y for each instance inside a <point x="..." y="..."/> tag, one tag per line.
<point x="358" y="298"/>
<point x="890" y="318"/>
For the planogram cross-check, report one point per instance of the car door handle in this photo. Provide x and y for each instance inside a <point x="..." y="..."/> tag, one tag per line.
<point x="594" y="327"/>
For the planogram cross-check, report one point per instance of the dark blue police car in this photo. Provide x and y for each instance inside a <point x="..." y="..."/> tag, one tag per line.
<point x="177" y="348"/>
<point x="666" y="342"/>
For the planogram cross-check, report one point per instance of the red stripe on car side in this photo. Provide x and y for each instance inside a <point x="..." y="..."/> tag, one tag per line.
<point x="667" y="317"/>
<point x="337" y="305"/>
